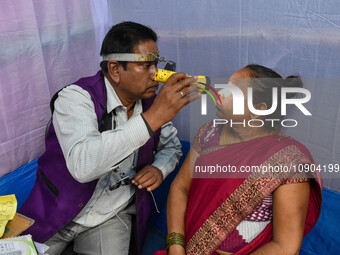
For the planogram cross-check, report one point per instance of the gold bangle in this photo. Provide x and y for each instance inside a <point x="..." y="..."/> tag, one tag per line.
<point x="175" y="238"/>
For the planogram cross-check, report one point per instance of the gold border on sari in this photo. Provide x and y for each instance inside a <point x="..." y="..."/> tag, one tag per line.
<point x="243" y="201"/>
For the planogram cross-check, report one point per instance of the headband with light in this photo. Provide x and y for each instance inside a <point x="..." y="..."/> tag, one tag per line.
<point x="148" y="57"/>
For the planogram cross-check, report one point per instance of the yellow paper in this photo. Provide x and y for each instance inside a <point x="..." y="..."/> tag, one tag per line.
<point x="8" y="208"/>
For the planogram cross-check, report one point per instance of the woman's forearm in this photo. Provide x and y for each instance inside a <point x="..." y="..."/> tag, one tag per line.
<point x="176" y="208"/>
<point x="177" y="202"/>
<point x="178" y="195"/>
<point x="273" y="248"/>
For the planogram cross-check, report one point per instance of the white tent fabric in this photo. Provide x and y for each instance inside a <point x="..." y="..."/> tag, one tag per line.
<point x="216" y="38"/>
<point x="45" y="45"/>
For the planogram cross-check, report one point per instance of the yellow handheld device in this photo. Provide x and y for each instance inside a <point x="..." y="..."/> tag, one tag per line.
<point x="162" y="75"/>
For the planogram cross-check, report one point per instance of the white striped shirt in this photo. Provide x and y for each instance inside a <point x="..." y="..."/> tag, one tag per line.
<point x="90" y="154"/>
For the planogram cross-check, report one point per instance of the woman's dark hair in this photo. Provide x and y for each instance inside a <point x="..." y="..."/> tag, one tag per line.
<point x="263" y="80"/>
<point x="123" y="37"/>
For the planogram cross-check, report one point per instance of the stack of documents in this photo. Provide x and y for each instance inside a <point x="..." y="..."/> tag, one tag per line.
<point x="21" y="245"/>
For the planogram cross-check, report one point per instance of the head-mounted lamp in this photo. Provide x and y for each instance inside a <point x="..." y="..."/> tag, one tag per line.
<point x="148" y="57"/>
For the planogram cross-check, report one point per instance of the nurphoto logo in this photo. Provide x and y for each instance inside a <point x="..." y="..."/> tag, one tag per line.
<point x="239" y="99"/>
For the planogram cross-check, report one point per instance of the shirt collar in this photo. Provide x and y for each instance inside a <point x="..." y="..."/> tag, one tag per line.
<point x="113" y="100"/>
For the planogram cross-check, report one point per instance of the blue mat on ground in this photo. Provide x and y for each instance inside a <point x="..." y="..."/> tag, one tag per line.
<point x="19" y="182"/>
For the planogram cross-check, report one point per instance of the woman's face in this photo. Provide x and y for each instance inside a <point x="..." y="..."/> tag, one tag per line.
<point x="239" y="79"/>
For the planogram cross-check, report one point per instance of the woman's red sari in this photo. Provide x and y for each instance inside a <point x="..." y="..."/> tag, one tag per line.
<point x="217" y="203"/>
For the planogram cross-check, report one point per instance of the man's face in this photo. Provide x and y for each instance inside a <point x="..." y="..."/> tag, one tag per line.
<point x="137" y="81"/>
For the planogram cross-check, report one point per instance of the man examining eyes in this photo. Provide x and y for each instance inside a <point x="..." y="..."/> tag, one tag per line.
<point x="107" y="131"/>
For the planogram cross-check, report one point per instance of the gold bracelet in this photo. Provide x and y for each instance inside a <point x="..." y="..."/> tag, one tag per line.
<point x="175" y="238"/>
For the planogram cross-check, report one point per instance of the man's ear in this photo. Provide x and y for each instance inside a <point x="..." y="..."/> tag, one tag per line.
<point x="112" y="69"/>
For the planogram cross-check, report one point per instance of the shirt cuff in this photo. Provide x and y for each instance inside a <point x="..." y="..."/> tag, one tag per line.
<point x="165" y="171"/>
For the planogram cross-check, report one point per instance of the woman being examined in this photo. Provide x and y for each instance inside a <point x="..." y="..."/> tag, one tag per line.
<point x="244" y="213"/>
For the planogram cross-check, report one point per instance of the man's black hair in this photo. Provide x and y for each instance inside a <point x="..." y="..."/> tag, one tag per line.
<point x="122" y="38"/>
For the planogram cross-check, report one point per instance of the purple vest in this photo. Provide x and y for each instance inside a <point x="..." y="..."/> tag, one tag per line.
<point x="57" y="197"/>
